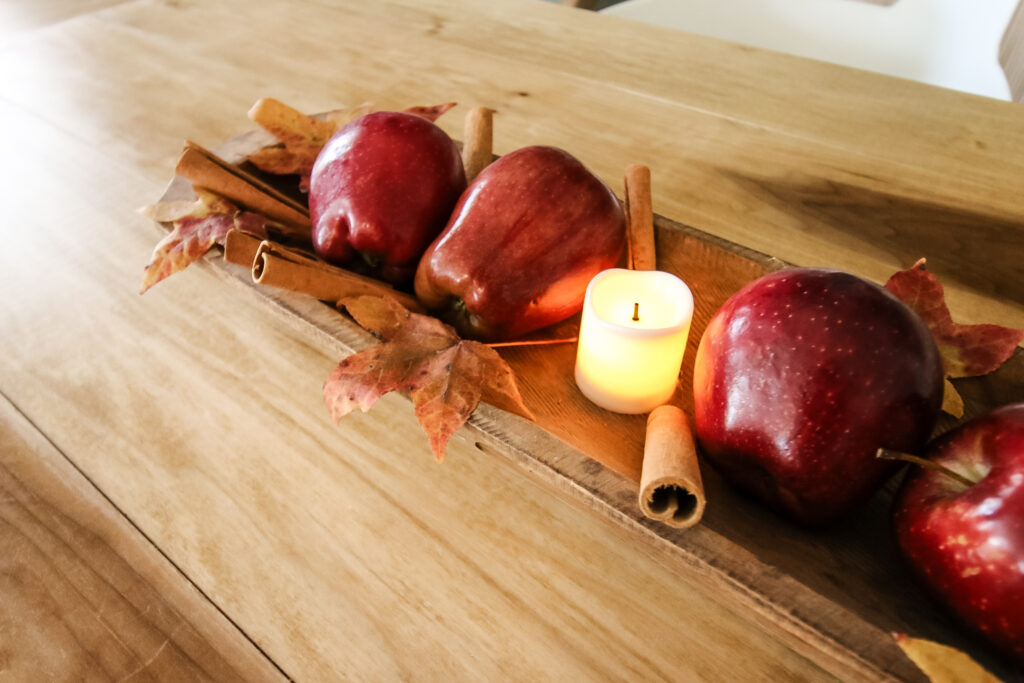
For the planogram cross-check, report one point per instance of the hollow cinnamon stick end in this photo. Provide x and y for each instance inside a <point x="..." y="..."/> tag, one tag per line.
<point x="259" y="267"/>
<point x="671" y="488"/>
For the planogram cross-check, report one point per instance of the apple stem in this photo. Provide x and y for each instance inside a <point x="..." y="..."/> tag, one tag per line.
<point x="886" y="454"/>
<point x="537" y="342"/>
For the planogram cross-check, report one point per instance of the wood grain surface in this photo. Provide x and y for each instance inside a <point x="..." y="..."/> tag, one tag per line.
<point x="85" y="595"/>
<point x="345" y="551"/>
<point x="21" y="17"/>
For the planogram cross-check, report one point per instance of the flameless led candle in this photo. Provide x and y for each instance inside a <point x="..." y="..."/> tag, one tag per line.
<point x="632" y="338"/>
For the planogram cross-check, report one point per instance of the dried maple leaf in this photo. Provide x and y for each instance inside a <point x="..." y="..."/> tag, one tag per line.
<point x="446" y="376"/>
<point x="941" y="663"/>
<point x="302" y="136"/>
<point x="967" y="350"/>
<point x="198" y="225"/>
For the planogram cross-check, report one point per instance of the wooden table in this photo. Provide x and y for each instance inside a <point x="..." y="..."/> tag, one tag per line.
<point x="174" y="499"/>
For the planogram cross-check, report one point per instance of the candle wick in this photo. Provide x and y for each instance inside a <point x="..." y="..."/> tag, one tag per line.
<point x="636" y="311"/>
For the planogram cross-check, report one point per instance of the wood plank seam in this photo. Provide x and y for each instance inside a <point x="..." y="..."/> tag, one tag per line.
<point x="143" y="534"/>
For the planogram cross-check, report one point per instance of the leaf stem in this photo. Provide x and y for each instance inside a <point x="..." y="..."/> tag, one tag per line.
<point x="537" y="342"/>
<point x="886" y="454"/>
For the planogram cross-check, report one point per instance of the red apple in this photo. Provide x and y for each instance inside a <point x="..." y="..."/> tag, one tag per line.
<point x="966" y="542"/>
<point x="523" y="242"/>
<point x="801" y="376"/>
<point x="382" y="188"/>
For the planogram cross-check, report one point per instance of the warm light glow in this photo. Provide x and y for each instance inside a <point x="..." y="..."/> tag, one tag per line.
<point x="626" y="365"/>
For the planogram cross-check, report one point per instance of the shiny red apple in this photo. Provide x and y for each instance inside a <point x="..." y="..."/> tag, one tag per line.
<point x="801" y="376"/>
<point x="381" y="189"/>
<point x="523" y="242"/>
<point x="966" y="542"/>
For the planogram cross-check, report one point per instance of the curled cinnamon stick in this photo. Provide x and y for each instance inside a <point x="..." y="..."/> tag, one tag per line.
<point x="639" y="218"/>
<point x="671" y="489"/>
<point x="285" y="268"/>
<point x="240" y="247"/>
<point x="478" y="141"/>
<point x="205" y="168"/>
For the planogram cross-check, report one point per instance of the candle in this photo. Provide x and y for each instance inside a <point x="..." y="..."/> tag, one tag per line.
<point x="632" y="338"/>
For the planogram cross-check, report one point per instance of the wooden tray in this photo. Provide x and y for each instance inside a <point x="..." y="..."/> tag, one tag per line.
<point x="834" y="595"/>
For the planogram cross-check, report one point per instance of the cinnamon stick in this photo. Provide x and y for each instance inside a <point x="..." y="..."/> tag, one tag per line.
<point x="639" y="218"/>
<point x="478" y="141"/>
<point x="240" y="247"/>
<point x="285" y="268"/>
<point x="205" y="168"/>
<point x="671" y="489"/>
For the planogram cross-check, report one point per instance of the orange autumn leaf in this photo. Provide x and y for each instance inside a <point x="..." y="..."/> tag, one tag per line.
<point x="302" y="137"/>
<point x="447" y="376"/>
<point x="967" y="350"/>
<point x="941" y="663"/>
<point x="198" y="225"/>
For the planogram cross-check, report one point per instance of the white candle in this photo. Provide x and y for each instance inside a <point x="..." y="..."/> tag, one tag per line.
<point x="631" y="365"/>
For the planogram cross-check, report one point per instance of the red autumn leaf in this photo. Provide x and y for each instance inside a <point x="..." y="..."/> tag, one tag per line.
<point x="941" y="663"/>
<point x="302" y="137"/>
<point x="967" y="350"/>
<point x="198" y="225"/>
<point x="446" y="376"/>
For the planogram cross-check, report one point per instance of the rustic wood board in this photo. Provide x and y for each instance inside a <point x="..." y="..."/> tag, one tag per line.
<point x="835" y="595"/>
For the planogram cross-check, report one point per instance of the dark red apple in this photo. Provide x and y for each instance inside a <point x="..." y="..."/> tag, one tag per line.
<point x="967" y="542"/>
<point x="801" y="376"/>
<point x="523" y="242"/>
<point x="381" y="189"/>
